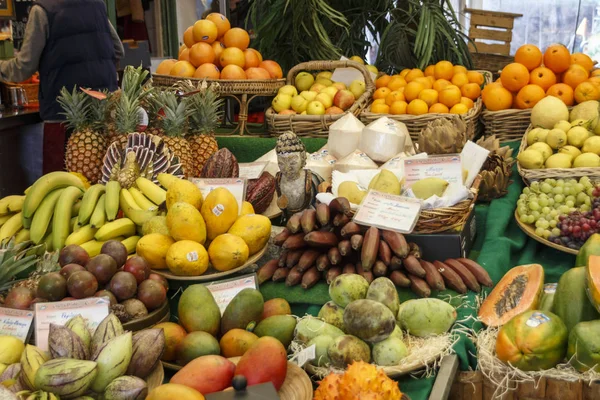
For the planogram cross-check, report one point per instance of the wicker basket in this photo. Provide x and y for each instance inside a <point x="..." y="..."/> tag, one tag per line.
<point x="530" y="175"/>
<point x="31" y="91"/>
<point x="491" y="62"/>
<point x="267" y="87"/>
<point x="317" y="125"/>
<point x="415" y="123"/>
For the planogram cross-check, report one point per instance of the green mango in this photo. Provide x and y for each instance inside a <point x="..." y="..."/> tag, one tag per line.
<point x="245" y="308"/>
<point x="571" y="302"/>
<point x="281" y="327"/>
<point x="198" y="310"/>
<point x="591" y="247"/>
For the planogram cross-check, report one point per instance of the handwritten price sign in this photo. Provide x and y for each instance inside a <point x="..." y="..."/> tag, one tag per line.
<point x="389" y="212"/>
<point x="448" y="168"/>
<point x="15" y="323"/>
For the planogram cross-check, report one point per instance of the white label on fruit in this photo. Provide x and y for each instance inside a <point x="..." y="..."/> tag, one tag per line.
<point x="16" y="323"/>
<point x="550" y="288"/>
<point x="224" y="291"/>
<point x="218" y="209"/>
<point x="306" y="355"/>
<point x="236" y="186"/>
<point x="192" y="256"/>
<point x="537" y="319"/>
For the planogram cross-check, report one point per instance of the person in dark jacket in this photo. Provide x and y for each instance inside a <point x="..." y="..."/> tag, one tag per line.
<point x="71" y="43"/>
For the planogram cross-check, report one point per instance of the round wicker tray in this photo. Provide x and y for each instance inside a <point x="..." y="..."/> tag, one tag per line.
<point x="529" y="231"/>
<point x="266" y="87"/>
<point x="161" y="314"/>
<point x="212" y="274"/>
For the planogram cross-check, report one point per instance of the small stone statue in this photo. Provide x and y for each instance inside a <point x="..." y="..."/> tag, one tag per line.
<point x="296" y="187"/>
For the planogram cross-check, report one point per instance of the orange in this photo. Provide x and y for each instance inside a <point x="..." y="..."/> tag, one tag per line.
<point x="236" y="37"/>
<point x="450" y="96"/>
<point x="459" y="109"/>
<point x="562" y="91"/>
<point x="429" y="71"/>
<point x="232" y="56"/>
<point x="441" y="84"/>
<point x="209" y="71"/>
<point x="184" y="55"/>
<point x="174" y="333"/>
<point x="381" y="93"/>
<point x="557" y="58"/>
<point x="205" y="31"/>
<point x="220" y="21"/>
<point x="218" y="49"/>
<point x="396" y="82"/>
<point x="412" y="90"/>
<point x="514" y="76"/>
<point x="595" y="80"/>
<point x="431" y="80"/>
<point x="260" y="57"/>
<point x="529" y="55"/>
<point x="380" y="109"/>
<point x="398" y="107"/>
<point x="475" y="77"/>
<point x="382" y="81"/>
<point x="251" y="59"/>
<point x="417" y="107"/>
<point x="414" y="73"/>
<point x="575" y="75"/>
<point x="257" y="73"/>
<point x="236" y="342"/>
<point x="582" y="59"/>
<point x="586" y="91"/>
<point x="185" y="69"/>
<point x="394" y="96"/>
<point x="188" y="37"/>
<point x="201" y="53"/>
<point x="404" y="72"/>
<point x="426" y="81"/>
<point x="429" y="96"/>
<point x="233" y="71"/>
<point x="379" y="101"/>
<point x="460" y="79"/>
<point x="498" y="98"/>
<point x="181" y="48"/>
<point x="438" y="108"/>
<point x="543" y="77"/>
<point x="443" y="70"/>
<point x="273" y="67"/>
<point x="595" y="72"/>
<point x="467" y="102"/>
<point x="459" y="69"/>
<point x="529" y="95"/>
<point x="471" y="90"/>
<point x="489" y="87"/>
<point x="164" y="68"/>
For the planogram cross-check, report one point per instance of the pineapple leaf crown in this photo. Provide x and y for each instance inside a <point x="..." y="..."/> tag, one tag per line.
<point x="127" y="114"/>
<point x="76" y="108"/>
<point x="99" y="111"/>
<point x="176" y="113"/>
<point x="134" y="83"/>
<point x="205" y="105"/>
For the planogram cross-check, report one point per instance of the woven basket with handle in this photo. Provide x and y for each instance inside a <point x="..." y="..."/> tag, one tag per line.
<point x="266" y="87"/>
<point x="317" y="125"/>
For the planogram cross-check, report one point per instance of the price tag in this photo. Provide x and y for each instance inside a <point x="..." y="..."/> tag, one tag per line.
<point x="306" y="355"/>
<point x="448" y="168"/>
<point x="252" y="170"/>
<point x="237" y="187"/>
<point x="225" y="291"/>
<point x="93" y="310"/>
<point x="16" y="323"/>
<point x="388" y="211"/>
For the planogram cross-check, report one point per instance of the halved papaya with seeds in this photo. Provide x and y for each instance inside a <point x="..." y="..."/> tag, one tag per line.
<point x="593" y="281"/>
<point x="519" y="290"/>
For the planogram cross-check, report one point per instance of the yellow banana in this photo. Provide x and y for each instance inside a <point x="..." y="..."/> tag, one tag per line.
<point x="151" y="190"/>
<point x="93" y="247"/>
<point x="141" y="200"/>
<point x="99" y="215"/>
<point x="130" y="200"/>
<point x="5" y="218"/>
<point x="111" y="202"/>
<point x="130" y="243"/>
<point x="120" y="227"/>
<point x="132" y="211"/>
<point x="22" y="236"/>
<point x="4" y="202"/>
<point x="46" y="184"/>
<point x="75" y="209"/>
<point x="48" y="240"/>
<point x="89" y="201"/>
<point x="27" y="190"/>
<point x="43" y="215"/>
<point x="11" y="227"/>
<point x="166" y="179"/>
<point x="16" y="204"/>
<point x="82" y="235"/>
<point x="61" y="221"/>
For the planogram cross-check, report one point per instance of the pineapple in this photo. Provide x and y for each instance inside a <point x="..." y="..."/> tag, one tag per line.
<point x="206" y="115"/>
<point x="24" y="259"/>
<point x="86" y="145"/>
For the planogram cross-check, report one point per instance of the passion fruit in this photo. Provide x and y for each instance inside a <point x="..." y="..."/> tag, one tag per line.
<point x="138" y="267"/>
<point x="82" y="284"/>
<point x="116" y="250"/>
<point x="123" y="285"/>
<point x="19" y="297"/>
<point x="68" y="269"/>
<point x="73" y="254"/>
<point x="108" y="294"/>
<point x="103" y="267"/>
<point x="52" y="286"/>
<point x="160" y="279"/>
<point x="152" y="294"/>
<point x="135" y="308"/>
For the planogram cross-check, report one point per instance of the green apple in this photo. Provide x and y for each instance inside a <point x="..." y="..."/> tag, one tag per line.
<point x="281" y="102"/>
<point x="299" y="103"/>
<point x="290" y="90"/>
<point x="325" y="99"/>
<point x="324" y="74"/>
<point x="324" y="81"/>
<point x="373" y="69"/>
<point x="357" y="88"/>
<point x="357" y="59"/>
<point x="304" y="81"/>
<point x="315" y="108"/>
<point x="331" y="91"/>
<point x="309" y="95"/>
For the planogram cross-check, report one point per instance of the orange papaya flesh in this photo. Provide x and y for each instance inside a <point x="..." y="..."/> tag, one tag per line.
<point x="593" y="281"/>
<point x="532" y="341"/>
<point x="519" y="290"/>
<point x="591" y="247"/>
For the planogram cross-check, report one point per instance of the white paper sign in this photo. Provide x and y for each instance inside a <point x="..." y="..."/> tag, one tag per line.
<point x="252" y="170"/>
<point x="93" y="310"/>
<point x="225" y="291"/>
<point x="448" y="168"/>
<point x="15" y="323"/>
<point x="388" y="211"/>
<point x="306" y="355"/>
<point x="237" y="187"/>
<point x="347" y="75"/>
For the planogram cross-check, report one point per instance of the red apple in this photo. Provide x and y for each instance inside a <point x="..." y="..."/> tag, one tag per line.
<point x="334" y="110"/>
<point x="137" y="266"/>
<point x="343" y="99"/>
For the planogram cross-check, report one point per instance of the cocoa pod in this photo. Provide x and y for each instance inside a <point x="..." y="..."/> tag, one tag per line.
<point x="281" y="237"/>
<point x="379" y="269"/>
<point x="293" y="224"/>
<point x="321" y="240"/>
<point x="260" y="192"/>
<point x="370" y="248"/>
<point x="280" y="274"/>
<point x="368" y="275"/>
<point x="340" y="205"/>
<point x="222" y="164"/>
<point x="385" y="253"/>
<point x="349" y="269"/>
<point x="419" y="286"/>
<point x="478" y="271"/>
<point x="307" y="260"/>
<point x="293" y="257"/>
<point x="323" y="215"/>
<point x="464" y="273"/>
<point x="397" y="243"/>
<point x="351" y="228"/>
<point x="334" y="256"/>
<point x="400" y="279"/>
<point x="332" y="273"/>
<point x="294" y="242"/>
<point x="265" y="273"/>
<point x="148" y="347"/>
<point x="453" y="281"/>
<point x="322" y="262"/>
<point x="396" y="264"/>
<point x="310" y="278"/>
<point x="294" y="277"/>
<point x="356" y="241"/>
<point x="414" y="250"/>
<point x="340" y="220"/>
<point x="412" y="266"/>
<point x="345" y="247"/>
<point x="282" y="258"/>
<point x="308" y="220"/>
<point x="433" y="277"/>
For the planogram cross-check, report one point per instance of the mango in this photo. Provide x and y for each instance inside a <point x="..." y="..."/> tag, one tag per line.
<point x="352" y="191"/>
<point x="255" y="229"/>
<point x="245" y="308"/>
<point x="389" y="352"/>
<point x="153" y="248"/>
<point x="219" y="210"/>
<point x="332" y="314"/>
<point x="227" y="252"/>
<point x="236" y="342"/>
<point x="281" y="327"/>
<point x="275" y="307"/>
<point x="425" y="188"/>
<point x="346" y="349"/>
<point x="309" y="328"/>
<point x="186" y="223"/>
<point x="369" y="320"/>
<point x="174" y="391"/>
<point x="174" y="334"/>
<point x="196" y="344"/>
<point x="322" y="344"/>
<point x="207" y="374"/>
<point x="348" y="287"/>
<point x="386" y="182"/>
<point x="265" y="361"/>
<point x="198" y="310"/>
<point x="426" y="317"/>
<point x="384" y="291"/>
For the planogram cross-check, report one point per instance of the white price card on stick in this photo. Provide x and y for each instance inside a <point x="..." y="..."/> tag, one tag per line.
<point x="224" y="291"/>
<point x="448" y="168"/>
<point x="252" y="170"/>
<point x="237" y="187"/>
<point x="388" y="211"/>
<point x="16" y="323"/>
<point x="93" y="310"/>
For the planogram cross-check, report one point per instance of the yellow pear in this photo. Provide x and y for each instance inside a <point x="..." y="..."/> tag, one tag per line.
<point x="533" y="136"/>
<point x="304" y="81"/>
<point x="563" y="126"/>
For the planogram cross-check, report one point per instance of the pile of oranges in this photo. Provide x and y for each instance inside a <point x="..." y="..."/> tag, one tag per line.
<point x="441" y="88"/>
<point x="212" y="49"/>
<point x="535" y="75"/>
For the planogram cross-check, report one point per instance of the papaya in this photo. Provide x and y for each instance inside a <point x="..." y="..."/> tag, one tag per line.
<point x="198" y="310"/>
<point x="547" y="301"/>
<point x="219" y="210"/>
<point x="281" y="327"/>
<point x="196" y="344"/>
<point x="532" y="341"/>
<point x="583" y="351"/>
<point x="593" y="281"/>
<point x="519" y="290"/>
<point x="245" y="308"/>
<point x="265" y="361"/>
<point x="571" y="302"/>
<point x="255" y="229"/>
<point x="591" y="247"/>
<point x="207" y="374"/>
<point x="276" y="307"/>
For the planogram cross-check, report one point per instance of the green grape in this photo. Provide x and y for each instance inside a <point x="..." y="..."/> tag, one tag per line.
<point x="572" y="181"/>
<point x="535" y="186"/>
<point x="536" y="215"/>
<point x="546" y="234"/>
<point x="560" y="182"/>
<point x="530" y="219"/>
<point x="543" y="223"/>
<point x="543" y="202"/>
<point x="585" y="207"/>
<point x="579" y="187"/>
<point x="526" y="190"/>
<point x="551" y="181"/>
<point x="567" y="191"/>
<point x="553" y="223"/>
<point x="539" y="231"/>
<point x="551" y="201"/>
<point x="555" y="232"/>
<point x="563" y="210"/>
<point x="523" y="197"/>
<point x="520" y="203"/>
<point x="534" y="206"/>
<point x="546" y="187"/>
<point x="559" y="198"/>
<point x="588" y="201"/>
<point x="522" y="211"/>
<point x="590" y="191"/>
<point x="581" y="198"/>
<point x="558" y="190"/>
<point x="570" y="203"/>
<point x="570" y="198"/>
<point x="545" y="210"/>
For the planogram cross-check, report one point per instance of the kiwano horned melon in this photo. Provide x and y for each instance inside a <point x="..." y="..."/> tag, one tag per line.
<point x="222" y="164"/>
<point x="260" y="192"/>
<point x="532" y="341"/>
<point x="593" y="281"/>
<point x="518" y="291"/>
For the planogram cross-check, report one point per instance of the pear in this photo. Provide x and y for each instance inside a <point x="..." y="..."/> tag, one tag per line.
<point x="591" y="145"/>
<point x="425" y="188"/>
<point x="577" y="135"/>
<point x="386" y="182"/>
<point x="282" y="102"/>
<point x="556" y="139"/>
<point x="559" y="160"/>
<point x="531" y="159"/>
<point x="543" y="148"/>
<point x="586" y="160"/>
<point x="571" y="150"/>
<point x="563" y="125"/>
<point x="304" y="81"/>
<point x="352" y="191"/>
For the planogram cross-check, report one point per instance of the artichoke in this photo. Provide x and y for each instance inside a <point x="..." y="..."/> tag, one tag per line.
<point x="443" y="136"/>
